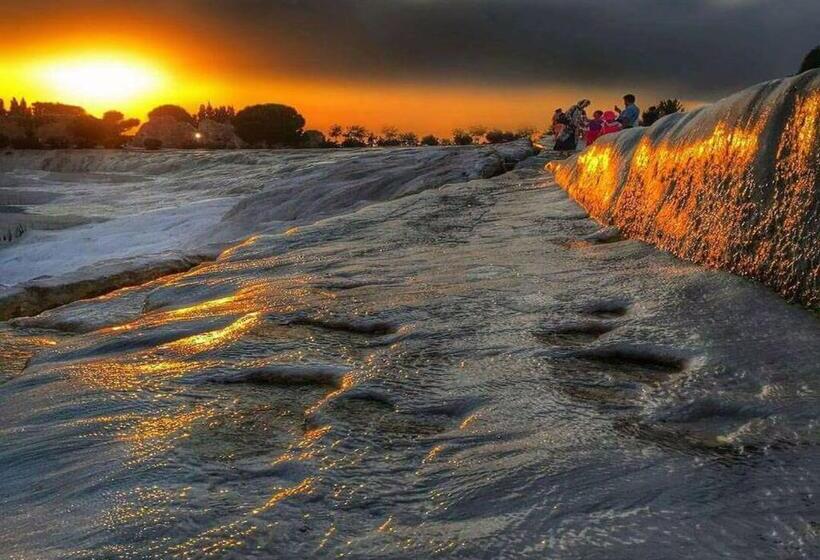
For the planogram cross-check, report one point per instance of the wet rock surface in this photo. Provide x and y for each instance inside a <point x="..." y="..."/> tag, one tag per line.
<point x="77" y="223"/>
<point x="463" y="372"/>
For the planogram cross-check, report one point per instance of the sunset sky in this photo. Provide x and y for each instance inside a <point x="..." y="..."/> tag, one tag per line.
<point x="425" y="65"/>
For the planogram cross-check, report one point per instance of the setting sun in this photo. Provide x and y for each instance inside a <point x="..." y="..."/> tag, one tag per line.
<point x="94" y="80"/>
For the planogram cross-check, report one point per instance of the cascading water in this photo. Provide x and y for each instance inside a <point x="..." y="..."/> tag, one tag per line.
<point x="733" y="185"/>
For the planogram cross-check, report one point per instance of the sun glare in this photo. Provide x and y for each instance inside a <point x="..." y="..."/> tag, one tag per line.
<point x="96" y="80"/>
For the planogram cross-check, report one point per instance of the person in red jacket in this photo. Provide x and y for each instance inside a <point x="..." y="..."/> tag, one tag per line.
<point x="611" y="123"/>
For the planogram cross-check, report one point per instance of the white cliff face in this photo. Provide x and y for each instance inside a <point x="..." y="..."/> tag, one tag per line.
<point x="217" y="135"/>
<point x="734" y="185"/>
<point x="171" y="132"/>
<point x="132" y="211"/>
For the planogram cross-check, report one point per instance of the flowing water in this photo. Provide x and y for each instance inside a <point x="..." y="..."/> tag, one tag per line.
<point x="472" y="371"/>
<point x="734" y="185"/>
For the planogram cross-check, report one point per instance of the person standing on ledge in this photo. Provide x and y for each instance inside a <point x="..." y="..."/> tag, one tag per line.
<point x="628" y="117"/>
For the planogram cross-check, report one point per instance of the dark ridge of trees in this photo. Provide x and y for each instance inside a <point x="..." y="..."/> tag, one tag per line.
<point x="59" y="125"/>
<point x="269" y="125"/>
<point x="174" y="111"/>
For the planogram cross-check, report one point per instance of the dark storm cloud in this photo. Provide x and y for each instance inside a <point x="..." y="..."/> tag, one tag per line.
<point x="697" y="47"/>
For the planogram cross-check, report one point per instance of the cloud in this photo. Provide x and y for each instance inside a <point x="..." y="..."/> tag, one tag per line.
<point x="695" y="48"/>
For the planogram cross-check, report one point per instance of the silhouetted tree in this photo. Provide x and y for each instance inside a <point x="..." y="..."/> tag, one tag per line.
<point x="2" y="108"/>
<point x="335" y="132"/>
<point x="462" y="137"/>
<point x="222" y="114"/>
<point x="313" y="139"/>
<point x="25" y="111"/>
<point x="429" y="140"/>
<point x="174" y="111"/>
<point x="811" y="60"/>
<point x="477" y="132"/>
<point x="409" y="139"/>
<point x="669" y="107"/>
<point x="390" y="132"/>
<point x="269" y="124"/>
<point x="114" y="125"/>
<point x="88" y="131"/>
<point x="649" y="116"/>
<point x="14" y="107"/>
<point x="355" y="136"/>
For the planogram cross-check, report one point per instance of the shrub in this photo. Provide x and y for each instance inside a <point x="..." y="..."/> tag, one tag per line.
<point x="269" y="125"/>
<point x="388" y="142"/>
<point x="669" y="107"/>
<point x="649" y="116"/>
<point x="462" y="137"/>
<point x="409" y="139"/>
<point x="313" y="139"/>
<point x="353" y="143"/>
<point x="152" y="144"/>
<point x="429" y="140"/>
<point x="174" y="111"/>
<point x="499" y="136"/>
<point x="811" y="60"/>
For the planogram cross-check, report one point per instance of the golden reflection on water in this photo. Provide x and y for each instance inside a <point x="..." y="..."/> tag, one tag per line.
<point x="304" y="487"/>
<point x="134" y="372"/>
<point x="207" y="341"/>
<point x="157" y="434"/>
<point x="217" y="540"/>
<point x="250" y="241"/>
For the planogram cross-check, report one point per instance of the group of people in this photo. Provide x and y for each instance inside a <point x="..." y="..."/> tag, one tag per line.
<point x="569" y="126"/>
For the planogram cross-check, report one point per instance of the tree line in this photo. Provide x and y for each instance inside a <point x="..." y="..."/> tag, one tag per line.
<point x="269" y="125"/>
<point x="57" y="125"/>
<point x="357" y="136"/>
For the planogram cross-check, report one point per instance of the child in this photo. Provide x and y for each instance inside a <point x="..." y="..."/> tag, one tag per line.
<point x="595" y="127"/>
<point x="611" y="123"/>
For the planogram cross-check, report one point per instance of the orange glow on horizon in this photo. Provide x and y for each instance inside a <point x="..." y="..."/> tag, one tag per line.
<point x="151" y="65"/>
